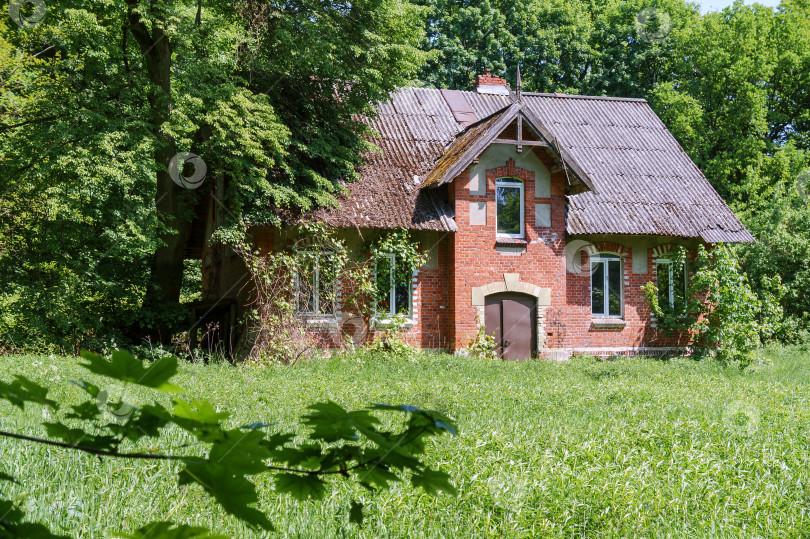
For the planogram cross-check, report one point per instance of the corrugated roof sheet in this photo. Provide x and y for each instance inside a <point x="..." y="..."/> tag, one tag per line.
<point x="643" y="182"/>
<point x="414" y="128"/>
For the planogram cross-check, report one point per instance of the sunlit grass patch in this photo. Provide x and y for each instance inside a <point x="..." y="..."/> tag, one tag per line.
<point x="625" y="447"/>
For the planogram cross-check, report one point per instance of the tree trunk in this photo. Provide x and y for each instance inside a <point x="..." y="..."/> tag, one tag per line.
<point x="174" y="204"/>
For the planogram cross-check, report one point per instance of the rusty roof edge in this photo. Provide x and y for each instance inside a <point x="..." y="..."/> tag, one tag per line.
<point x="553" y="143"/>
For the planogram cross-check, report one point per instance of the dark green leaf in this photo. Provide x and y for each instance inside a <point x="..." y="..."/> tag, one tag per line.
<point x="127" y="368"/>
<point x="79" y="437"/>
<point x="301" y="487"/>
<point x="170" y="530"/>
<point x="356" y="513"/>
<point x="306" y="455"/>
<point x="433" y="482"/>
<point x="11" y="524"/>
<point x="139" y="425"/>
<point x="276" y="441"/>
<point x="31" y="529"/>
<point x="198" y="410"/>
<point x="241" y="451"/>
<point x="377" y="475"/>
<point x="329" y="422"/>
<point x="23" y="390"/>
<point x="86" y="411"/>
<point x="437" y="419"/>
<point x="399" y="407"/>
<point x="391" y="458"/>
<point x="93" y="390"/>
<point x="234" y="492"/>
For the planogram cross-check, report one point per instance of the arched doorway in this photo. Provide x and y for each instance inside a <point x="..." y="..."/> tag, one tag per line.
<point x="511" y="319"/>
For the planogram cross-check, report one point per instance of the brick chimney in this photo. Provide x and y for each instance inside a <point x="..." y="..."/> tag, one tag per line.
<point x="490" y="84"/>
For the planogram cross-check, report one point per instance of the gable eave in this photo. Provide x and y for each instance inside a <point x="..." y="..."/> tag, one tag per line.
<point x="443" y="172"/>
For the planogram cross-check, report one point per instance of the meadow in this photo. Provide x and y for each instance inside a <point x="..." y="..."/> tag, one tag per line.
<point x="631" y="447"/>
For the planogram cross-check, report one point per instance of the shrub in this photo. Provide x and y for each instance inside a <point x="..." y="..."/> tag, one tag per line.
<point x="723" y="316"/>
<point x="482" y="345"/>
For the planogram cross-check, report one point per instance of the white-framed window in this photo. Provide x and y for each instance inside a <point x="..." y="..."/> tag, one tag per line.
<point x="316" y="284"/>
<point x="394" y="290"/>
<point x="509" y="205"/>
<point x="607" y="276"/>
<point x="671" y="283"/>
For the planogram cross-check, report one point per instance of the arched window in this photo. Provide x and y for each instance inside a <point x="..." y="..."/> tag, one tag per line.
<point x="606" y="285"/>
<point x="509" y="207"/>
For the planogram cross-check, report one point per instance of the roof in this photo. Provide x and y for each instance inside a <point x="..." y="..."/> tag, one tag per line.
<point x="478" y="137"/>
<point x="640" y="179"/>
<point x="644" y="183"/>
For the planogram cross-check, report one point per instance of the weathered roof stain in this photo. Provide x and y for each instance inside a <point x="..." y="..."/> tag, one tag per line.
<point x="641" y="180"/>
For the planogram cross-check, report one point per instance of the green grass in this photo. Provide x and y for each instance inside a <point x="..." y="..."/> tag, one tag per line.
<point x="630" y="447"/>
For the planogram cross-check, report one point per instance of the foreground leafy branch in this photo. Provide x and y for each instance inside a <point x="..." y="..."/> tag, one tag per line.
<point x="349" y="444"/>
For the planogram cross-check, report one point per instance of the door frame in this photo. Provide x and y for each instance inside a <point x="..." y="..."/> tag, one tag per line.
<point x="511" y="283"/>
<point x="499" y="300"/>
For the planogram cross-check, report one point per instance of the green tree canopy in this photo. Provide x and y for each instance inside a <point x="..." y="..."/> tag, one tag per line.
<point x="100" y="96"/>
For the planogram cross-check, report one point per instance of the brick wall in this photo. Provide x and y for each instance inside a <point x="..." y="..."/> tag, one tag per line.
<point x="431" y="327"/>
<point x="444" y="314"/>
<point x="568" y="323"/>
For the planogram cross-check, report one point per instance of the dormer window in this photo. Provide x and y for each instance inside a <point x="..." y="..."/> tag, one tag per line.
<point x="509" y="208"/>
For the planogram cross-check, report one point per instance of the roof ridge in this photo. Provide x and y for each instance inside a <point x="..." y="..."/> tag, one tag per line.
<point x="545" y="94"/>
<point x="592" y="97"/>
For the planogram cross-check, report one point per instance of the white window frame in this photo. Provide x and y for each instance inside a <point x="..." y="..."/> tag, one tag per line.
<point x="604" y="258"/>
<point x="392" y="299"/>
<point x="511" y="182"/>
<point x="671" y="292"/>
<point x="316" y="257"/>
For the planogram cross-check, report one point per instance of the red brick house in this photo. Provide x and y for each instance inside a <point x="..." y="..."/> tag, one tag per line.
<point x="543" y="216"/>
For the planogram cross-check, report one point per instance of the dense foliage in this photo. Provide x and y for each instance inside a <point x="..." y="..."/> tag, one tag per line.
<point x="100" y="96"/>
<point x="226" y="461"/>
<point x="718" y="309"/>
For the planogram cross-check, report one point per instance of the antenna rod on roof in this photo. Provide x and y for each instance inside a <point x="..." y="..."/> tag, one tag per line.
<point x="518" y="84"/>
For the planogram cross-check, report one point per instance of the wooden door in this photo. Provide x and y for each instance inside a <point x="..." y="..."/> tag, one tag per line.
<point x="511" y="320"/>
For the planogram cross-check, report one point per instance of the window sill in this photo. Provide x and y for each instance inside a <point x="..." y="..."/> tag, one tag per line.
<point x="608" y="323"/>
<point x="510" y="242"/>
<point x="321" y="321"/>
<point x="383" y="324"/>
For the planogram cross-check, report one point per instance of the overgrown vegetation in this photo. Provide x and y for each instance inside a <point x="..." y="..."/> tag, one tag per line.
<point x="578" y="448"/>
<point x="96" y="101"/>
<point x="316" y="279"/>
<point x="717" y="308"/>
